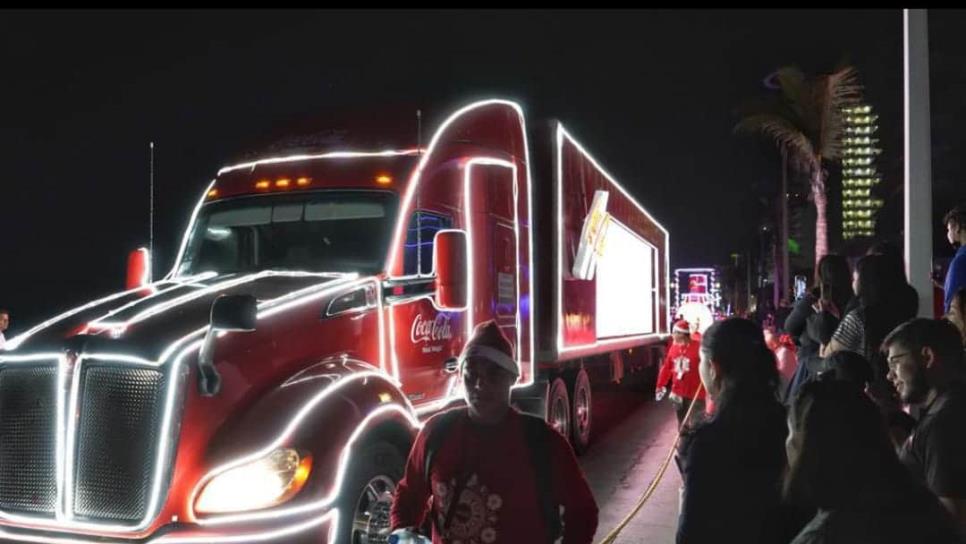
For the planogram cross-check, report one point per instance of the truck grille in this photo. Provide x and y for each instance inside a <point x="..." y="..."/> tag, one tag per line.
<point x="117" y="442"/>
<point x="28" y="422"/>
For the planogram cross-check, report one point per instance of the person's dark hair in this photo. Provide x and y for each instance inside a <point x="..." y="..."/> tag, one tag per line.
<point x="874" y="280"/>
<point x="834" y="279"/>
<point x="937" y="334"/>
<point x="956" y="216"/>
<point x="849" y="367"/>
<point x="884" y="247"/>
<point x="845" y="455"/>
<point x="895" y="267"/>
<point x="880" y="288"/>
<point x="4" y="312"/>
<point x="744" y="361"/>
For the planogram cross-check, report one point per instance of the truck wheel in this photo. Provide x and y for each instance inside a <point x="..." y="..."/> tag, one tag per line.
<point x="368" y="490"/>
<point x="582" y="416"/>
<point x="558" y="407"/>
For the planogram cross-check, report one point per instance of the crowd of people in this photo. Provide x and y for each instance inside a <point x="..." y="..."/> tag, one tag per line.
<point x="873" y="448"/>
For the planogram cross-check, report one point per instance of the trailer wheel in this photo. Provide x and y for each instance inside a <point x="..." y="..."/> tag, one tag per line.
<point x="558" y="407"/>
<point x="367" y="494"/>
<point x="581" y="417"/>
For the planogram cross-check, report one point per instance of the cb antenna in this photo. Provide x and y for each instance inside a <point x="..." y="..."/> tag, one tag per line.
<point x="151" y="212"/>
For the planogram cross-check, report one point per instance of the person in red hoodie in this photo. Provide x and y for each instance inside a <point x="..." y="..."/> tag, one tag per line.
<point x="487" y="473"/>
<point x="680" y="367"/>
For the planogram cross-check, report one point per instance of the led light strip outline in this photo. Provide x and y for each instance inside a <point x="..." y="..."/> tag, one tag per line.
<point x="64" y="499"/>
<point x="468" y="215"/>
<point x="280" y="441"/>
<point x="191" y="225"/>
<point x="561" y="348"/>
<point x="329" y="155"/>
<point x="332" y="517"/>
<point x="188" y="281"/>
<point x="677" y="294"/>
<point x="407" y="201"/>
<point x="214" y="288"/>
<point x="15" y="342"/>
<point x="414" y="181"/>
<point x="273" y="160"/>
<point x="400" y="223"/>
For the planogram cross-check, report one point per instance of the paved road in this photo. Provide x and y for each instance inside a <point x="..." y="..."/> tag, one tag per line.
<point x="632" y="438"/>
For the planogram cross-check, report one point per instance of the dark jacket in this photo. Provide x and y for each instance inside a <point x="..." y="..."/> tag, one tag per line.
<point x="811" y="329"/>
<point x="904" y="514"/>
<point x="795" y="326"/>
<point x="732" y="468"/>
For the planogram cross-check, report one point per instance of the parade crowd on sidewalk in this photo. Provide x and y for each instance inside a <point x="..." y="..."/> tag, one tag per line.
<point x="849" y="428"/>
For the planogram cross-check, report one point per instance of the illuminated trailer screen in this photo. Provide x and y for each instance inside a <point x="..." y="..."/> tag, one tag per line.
<point x="612" y="282"/>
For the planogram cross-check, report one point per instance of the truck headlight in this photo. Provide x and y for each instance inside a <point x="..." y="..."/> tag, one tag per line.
<point x="263" y="483"/>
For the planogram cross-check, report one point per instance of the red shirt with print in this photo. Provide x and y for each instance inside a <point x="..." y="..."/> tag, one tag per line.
<point x="681" y="368"/>
<point x="499" y="501"/>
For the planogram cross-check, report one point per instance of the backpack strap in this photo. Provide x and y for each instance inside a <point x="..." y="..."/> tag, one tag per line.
<point x="438" y="433"/>
<point x="538" y="438"/>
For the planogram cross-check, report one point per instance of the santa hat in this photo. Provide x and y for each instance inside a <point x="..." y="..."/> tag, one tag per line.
<point x="681" y="326"/>
<point x="489" y="342"/>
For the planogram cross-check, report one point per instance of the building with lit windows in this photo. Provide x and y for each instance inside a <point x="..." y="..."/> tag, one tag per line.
<point x="859" y="172"/>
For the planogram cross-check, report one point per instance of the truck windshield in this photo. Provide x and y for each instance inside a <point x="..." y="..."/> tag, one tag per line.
<point x="332" y="231"/>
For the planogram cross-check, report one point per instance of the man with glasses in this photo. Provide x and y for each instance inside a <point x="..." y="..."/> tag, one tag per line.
<point x="926" y="366"/>
<point x="488" y="473"/>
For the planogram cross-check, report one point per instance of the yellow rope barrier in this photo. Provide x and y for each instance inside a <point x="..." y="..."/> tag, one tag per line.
<point x="612" y="536"/>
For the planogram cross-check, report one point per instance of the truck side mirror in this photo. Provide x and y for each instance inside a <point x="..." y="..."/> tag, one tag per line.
<point x="138" y="268"/>
<point x="228" y="313"/>
<point x="450" y="262"/>
<point x="234" y="313"/>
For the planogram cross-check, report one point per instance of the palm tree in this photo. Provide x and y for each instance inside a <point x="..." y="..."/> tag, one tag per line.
<point x="805" y="120"/>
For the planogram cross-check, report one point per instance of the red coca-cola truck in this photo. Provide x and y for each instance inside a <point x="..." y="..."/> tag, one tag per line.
<point x="269" y="387"/>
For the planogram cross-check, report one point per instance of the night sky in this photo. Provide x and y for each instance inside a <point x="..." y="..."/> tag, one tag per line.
<point x="652" y="94"/>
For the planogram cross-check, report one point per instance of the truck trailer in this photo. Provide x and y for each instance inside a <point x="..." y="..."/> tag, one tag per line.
<point x="269" y="387"/>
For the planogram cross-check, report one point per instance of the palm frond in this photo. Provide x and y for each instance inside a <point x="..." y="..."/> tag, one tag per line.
<point x="786" y="136"/>
<point x="841" y="89"/>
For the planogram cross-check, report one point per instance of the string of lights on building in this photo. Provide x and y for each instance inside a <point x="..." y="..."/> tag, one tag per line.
<point x="859" y="172"/>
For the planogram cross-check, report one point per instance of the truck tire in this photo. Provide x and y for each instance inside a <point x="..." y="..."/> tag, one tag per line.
<point x="581" y="414"/>
<point x="558" y="407"/>
<point x="367" y="497"/>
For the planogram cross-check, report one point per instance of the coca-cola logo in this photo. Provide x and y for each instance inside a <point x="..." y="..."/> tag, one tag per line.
<point x="431" y="330"/>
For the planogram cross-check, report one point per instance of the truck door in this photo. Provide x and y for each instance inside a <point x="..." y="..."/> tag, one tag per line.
<point x="423" y="338"/>
<point x="493" y="238"/>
